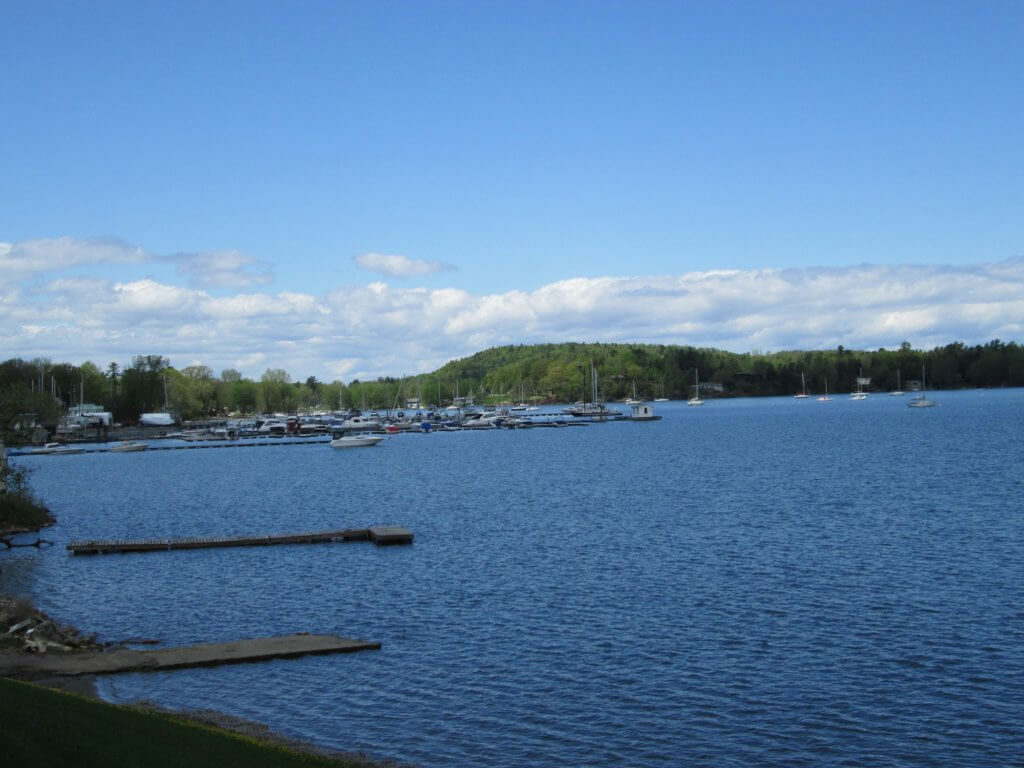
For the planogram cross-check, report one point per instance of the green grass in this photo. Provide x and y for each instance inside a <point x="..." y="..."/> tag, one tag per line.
<point x="41" y="726"/>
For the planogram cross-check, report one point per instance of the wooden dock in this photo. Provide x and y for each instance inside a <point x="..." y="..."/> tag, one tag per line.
<point x="24" y="665"/>
<point x="380" y="535"/>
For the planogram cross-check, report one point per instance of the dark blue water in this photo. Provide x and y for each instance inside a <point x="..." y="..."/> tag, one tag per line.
<point x="770" y="582"/>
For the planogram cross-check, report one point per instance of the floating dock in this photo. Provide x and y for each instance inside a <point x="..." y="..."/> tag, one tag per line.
<point x="380" y="535"/>
<point x="16" y="664"/>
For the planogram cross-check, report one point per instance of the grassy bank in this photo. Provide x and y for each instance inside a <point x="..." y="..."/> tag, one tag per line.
<point x="40" y="726"/>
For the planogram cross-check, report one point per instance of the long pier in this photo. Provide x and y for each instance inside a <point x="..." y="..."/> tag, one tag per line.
<point x="256" y="443"/>
<point x="380" y="535"/>
<point x="25" y="665"/>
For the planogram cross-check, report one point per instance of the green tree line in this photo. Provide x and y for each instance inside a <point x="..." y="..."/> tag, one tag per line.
<point x="536" y="373"/>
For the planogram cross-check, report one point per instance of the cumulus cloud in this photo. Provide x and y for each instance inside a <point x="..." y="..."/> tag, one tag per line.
<point x="395" y="265"/>
<point x="36" y="257"/>
<point x="364" y="331"/>
<point x="222" y="269"/>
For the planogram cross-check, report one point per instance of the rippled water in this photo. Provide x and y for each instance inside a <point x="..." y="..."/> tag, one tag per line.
<point x="764" y="581"/>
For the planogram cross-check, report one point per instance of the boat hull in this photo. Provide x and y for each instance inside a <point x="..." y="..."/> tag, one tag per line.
<point x="356" y="441"/>
<point x="129" y="448"/>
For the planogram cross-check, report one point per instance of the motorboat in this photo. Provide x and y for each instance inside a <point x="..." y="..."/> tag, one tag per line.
<point x="128" y="446"/>
<point x="360" y="422"/>
<point x="356" y="441"/>
<point x="55" y="449"/>
<point x="272" y="428"/>
<point x="486" y="420"/>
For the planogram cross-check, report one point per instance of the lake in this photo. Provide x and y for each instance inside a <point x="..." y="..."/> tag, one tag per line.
<point x="757" y="581"/>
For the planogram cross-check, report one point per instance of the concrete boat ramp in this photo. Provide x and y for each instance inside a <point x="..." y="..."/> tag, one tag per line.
<point x="44" y="665"/>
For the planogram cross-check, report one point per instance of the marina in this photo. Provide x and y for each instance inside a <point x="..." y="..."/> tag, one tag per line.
<point x="574" y="593"/>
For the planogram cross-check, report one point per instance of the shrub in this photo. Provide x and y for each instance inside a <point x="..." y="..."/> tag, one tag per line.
<point x="19" y="508"/>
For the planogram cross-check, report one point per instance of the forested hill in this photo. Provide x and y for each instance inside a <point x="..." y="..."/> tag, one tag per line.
<point x="537" y="373"/>
<point x="557" y="370"/>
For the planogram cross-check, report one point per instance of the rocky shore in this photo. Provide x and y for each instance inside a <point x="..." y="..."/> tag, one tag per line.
<point x="25" y="628"/>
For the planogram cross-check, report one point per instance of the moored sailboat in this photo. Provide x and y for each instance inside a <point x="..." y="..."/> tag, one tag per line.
<point x="695" y="400"/>
<point x="922" y="401"/>
<point x="898" y="391"/>
<point x="803" y="387"/>
<point x="825" y="397"/>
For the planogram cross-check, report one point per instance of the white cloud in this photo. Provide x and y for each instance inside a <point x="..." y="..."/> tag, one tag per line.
<point x="35" y="257"/>
<point x="395" y="265"/>
<point x="221" y="269"/>
<point x="377" y="329"/>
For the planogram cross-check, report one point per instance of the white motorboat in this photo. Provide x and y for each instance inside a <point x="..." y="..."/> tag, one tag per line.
<point x="360" y="422"/>
<point x="355" y="441"/>
<point x="272" y="428"/>
<point x="128" y="446"/>
<point x="486" y="420"/>
<point x="55" y="449"/>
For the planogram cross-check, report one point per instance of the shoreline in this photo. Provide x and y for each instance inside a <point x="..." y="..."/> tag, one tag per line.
<point x="16" y="659"/>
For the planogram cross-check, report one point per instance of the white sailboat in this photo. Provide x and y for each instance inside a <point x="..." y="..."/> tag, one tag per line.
<point x="695" y="400"/>
<point x="825" y="397"/>
<point x="633" y="400"/>
<point x="803" y="387"/>
<point x="859" y="393"/>
<point x="662" y="399"/>
<point x="898" y="392"/>
<point x="922" y="401"/>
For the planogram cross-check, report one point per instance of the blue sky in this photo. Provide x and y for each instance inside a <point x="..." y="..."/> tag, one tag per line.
<point x="265" y="158"/>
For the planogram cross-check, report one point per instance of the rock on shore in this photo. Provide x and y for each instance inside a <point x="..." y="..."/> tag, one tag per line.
<point x="24" y="627"/>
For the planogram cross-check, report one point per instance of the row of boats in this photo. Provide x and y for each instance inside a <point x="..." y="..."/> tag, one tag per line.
<point x="341" y="423"/>
<point x="356" y="429"/>
<point x="920" y="400"/>
<point x="123" y="446"/>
